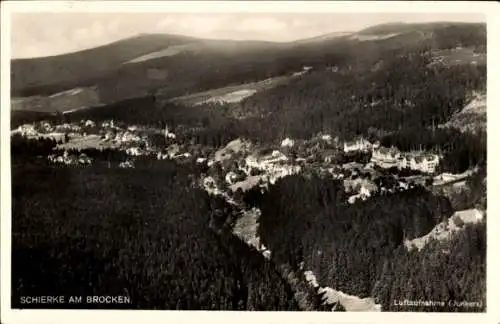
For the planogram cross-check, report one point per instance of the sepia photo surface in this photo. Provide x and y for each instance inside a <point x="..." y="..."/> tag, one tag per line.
<point x="247" y="161"/>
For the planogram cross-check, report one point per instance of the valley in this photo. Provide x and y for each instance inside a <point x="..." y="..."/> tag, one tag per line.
<point x="339" y="173"/>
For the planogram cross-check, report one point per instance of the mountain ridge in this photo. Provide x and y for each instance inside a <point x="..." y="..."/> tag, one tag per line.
<point x="209" y="63"/>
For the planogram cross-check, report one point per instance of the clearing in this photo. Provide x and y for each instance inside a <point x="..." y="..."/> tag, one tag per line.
<point x="232" y="93"/>
<point x="444" y="230"/>
<point x="84" y="142"/>
<point x="457" y="56"/>
<point x="362" y="38"/>
<point x="169" y="51"/>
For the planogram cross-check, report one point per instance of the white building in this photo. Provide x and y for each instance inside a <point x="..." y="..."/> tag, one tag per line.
<point x="386" y="157"/>
<point x="47" y="127"/>
<point x="231" y="177"/>
<point x="169" y="134"/>
<point x="26" y="130"/>
<point x="134" y="151"/>
<point x="84" y="159"/>
<point x="287" y="142"/>
<point x="426" y="163"/>
<point x="201" y="160"/>
<point x="89" y="123"/>
<point x="364" y="192"/>
<point x="326" y="138"/>
<point x="357" y="145"/>
<point x="126" y="164"/>
<point x="429" y="163"/>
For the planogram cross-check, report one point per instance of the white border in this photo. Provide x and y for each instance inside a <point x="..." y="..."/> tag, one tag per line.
<point x="83" y="316"/>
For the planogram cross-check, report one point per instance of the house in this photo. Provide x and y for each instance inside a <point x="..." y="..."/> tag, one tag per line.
<point x="89" y="123"/>
<point x="386" y="157"/>
<point x="370" y="173"/>
<point x="26" y="130"/>
<point x="296" y="74"/>
<point x="169" y="134"/>
<point x="357" y="145"/>
<point x="68" y="159"/>
<point x="108" y="136"/>
<point x="231" y="177"/>
<point x="404" y="161"/>
<point x="173" y="150"/>
<point x="470" y="215"/>
<point x="84" y="159"/>
<point x="134" y="151"/>
<point x="126" y="164"/>
<point x="352" y="166"/>
<point x="126" y="137"/>
<point x="328" y="156"/>
<point x="415" y="162"/>
<point x="326" y="138"/>
<point x="426" y="163"/>
<point x="161" y="156"/>
<point x="200" y="160"/>
<point x="429" y="163"/>
<point x="366" y="190"/>
<point x="275" y="157"/>
<point x="47" y="127"/>
<point x="287" y="142"/>
<point x="209" y="182"/>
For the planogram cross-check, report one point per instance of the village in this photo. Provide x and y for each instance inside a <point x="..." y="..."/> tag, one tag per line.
<point x="366" y="168"/>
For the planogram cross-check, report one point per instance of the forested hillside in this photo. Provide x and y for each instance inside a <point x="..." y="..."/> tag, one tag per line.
<point x="456" y="268"/>
<point x="401" y="93"/>
<point x="358" y="248"/>
<point x="147" y="236"/>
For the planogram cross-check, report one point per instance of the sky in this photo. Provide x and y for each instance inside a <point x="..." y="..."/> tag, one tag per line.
<point x="45" y="34"/>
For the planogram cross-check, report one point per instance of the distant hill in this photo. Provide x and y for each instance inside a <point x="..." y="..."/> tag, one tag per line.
<point x="62" y="72"/>
<point x="175" y="65"/>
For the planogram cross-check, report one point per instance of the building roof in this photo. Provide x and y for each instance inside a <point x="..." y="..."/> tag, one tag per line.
<point x="356" y="142"/>
<point x="389" y="151"/>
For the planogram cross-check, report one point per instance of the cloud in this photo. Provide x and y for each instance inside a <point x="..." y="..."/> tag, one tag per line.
<point x="165" y="23"/>
<point x="192" y="25"/>
<point x="113" y="26"/>
<point x="97" y="30"/>
<point x="300" y="23"/>
<point x="81" y="34"/>
<point x="270" y="25"/>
